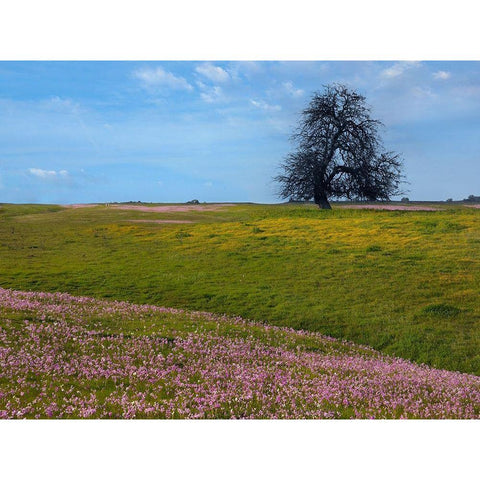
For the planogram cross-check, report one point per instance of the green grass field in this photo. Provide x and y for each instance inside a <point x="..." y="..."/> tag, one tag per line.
<point x="403" y="282"/>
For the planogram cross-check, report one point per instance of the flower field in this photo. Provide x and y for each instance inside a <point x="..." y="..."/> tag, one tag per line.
<point x="63" y="356"/>
<point x="402" y="282"/>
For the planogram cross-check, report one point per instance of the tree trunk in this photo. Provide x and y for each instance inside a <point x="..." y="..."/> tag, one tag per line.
<point x="322" y="201"/>
<point x="324" y="204"/>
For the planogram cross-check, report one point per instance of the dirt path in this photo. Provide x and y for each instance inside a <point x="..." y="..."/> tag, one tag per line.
<point x="81" y="205"/>
<point x="393" y="207"/>
<point x="174" y="208"/>
<point x="159" y="209"/>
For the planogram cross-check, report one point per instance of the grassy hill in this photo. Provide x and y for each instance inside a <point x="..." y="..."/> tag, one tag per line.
<point x="77" y="357"/>
<point x="403" y="282"/>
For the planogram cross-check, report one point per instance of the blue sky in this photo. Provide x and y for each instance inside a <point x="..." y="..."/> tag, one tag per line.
<point x="216" y="131"/>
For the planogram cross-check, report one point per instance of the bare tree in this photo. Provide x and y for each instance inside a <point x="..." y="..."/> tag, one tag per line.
<point x="339" y="153"/>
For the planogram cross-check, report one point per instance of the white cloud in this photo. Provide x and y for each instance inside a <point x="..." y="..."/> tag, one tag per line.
<point x="208" y="184"/>
<point x="63" y="105"/>
<point x="441" y="75"/>
<point x="211" y="94"/>
<point x="398" y="69"/>
<point x="213" y="73"/>
<point x="48" y="174"/>
<point x="153" y="78"/>
<point x="291" y="90"/>
<point x="265" y="106"/>
<point x="421" y="92"/>
<point x="246" y="69"/>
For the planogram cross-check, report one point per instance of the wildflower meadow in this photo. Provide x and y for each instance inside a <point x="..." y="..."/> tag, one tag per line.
<point x="64" y="356"/>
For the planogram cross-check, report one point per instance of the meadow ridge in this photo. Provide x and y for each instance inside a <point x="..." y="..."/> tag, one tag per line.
<point x="403" y="282"/>
<point x="76" y="357"/>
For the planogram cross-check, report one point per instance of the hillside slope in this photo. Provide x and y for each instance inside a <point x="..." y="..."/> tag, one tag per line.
<point x="68" y="357"/>
<point x="403" y="282"/>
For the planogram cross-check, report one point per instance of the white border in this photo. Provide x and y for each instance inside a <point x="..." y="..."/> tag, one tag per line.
<point x="247" y="30"/>
<point x="239" y="449"/>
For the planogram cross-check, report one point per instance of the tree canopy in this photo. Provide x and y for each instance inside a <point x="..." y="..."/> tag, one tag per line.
<point x="339" y="153"/>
